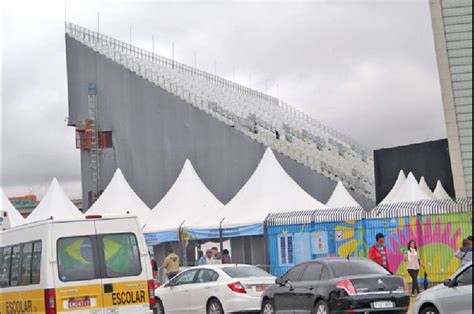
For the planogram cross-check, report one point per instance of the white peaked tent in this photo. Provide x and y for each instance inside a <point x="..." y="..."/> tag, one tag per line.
<point x="269" y="190"/>
<point x="54" y="204"/>
<point x="14" y="216"/>
<point x="440" y="193"/>
<point x="188" y="203"/>
<point x="425" y="188"/>
<point x="119" y="199"/>
<point x="411" y="192"/>
<point x="341" y="198"/>
<point x="395" y="189"/>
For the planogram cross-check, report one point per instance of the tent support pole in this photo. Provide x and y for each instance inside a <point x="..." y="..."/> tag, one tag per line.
<point x="221" y="236"/>
<point x="182" y="242"/>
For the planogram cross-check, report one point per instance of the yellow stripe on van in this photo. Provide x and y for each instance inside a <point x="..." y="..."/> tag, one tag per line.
<point x="127" y="293"/>
<point x="26" y="301"/>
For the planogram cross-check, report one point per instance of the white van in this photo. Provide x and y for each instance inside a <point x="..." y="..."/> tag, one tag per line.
<point x="94" y="265"/>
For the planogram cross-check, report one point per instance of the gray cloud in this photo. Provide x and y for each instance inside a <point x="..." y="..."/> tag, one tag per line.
<point x="366" y="68"/>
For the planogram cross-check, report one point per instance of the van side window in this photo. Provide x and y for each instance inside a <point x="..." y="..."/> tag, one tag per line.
<point x="76" y="259"/>
<point x="5" y="267"/>
<point x="26" y="254"/>
<point x="15" y="266"/>
<point x="122" y="255"/>
<point x="36" y="263"/>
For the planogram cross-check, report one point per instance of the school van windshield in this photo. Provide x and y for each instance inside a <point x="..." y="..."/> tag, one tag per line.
<point x="98" y="256"/>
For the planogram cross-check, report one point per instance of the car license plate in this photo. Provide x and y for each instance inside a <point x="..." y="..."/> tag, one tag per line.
<point x="75" y="303"/>
<point x="383" y="305"/>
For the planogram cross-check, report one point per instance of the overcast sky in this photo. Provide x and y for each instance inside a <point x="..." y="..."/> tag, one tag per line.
<point x="366" y="68"/>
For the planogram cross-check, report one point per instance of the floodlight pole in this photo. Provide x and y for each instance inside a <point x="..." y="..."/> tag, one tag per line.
<point x="221" y="235"/>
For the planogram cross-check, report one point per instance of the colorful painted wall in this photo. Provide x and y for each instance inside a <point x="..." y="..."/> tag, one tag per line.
<point x="438" y="238"/>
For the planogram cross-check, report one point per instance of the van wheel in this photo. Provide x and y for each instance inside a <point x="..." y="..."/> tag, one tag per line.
<point x="160" y="309"/>
<point x="214" y="307"/>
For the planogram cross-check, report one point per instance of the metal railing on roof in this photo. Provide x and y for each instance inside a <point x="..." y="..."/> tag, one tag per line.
<point x="428" y="207"/>
<point x="316" y="216"/>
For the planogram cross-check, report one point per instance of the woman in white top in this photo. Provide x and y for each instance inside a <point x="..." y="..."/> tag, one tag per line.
<point x="413" y="265"/>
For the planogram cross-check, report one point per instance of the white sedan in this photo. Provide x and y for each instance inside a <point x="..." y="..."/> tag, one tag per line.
<point x="215" y="289"/>
<point x="454" y="296"/>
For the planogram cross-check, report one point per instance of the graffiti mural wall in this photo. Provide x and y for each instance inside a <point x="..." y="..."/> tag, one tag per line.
<point x="438" y="237"/>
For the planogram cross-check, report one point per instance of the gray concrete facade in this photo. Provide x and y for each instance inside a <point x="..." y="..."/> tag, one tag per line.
<point x="154" y="132"/>
<point x="452" y="29"/>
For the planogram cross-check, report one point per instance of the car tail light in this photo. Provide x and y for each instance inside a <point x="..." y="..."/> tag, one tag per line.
<point x="237" y="287"/>
<point x="151" y="293"/>
<point x="50" y="301"/>
<point x="157" y="285"/>
<point x="93" y="216"/>
<point x="347" y="286"/>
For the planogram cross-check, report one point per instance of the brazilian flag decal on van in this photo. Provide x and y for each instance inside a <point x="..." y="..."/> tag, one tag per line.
<point x="121" y="255"/>
<point x="76" y="259"/>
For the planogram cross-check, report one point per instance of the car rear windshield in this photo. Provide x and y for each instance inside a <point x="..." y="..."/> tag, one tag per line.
<point x="357" y="267"/>
<point x="245" y="272"/>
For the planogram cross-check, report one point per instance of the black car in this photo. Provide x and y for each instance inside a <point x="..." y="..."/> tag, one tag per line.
<point x="337" y="285"/>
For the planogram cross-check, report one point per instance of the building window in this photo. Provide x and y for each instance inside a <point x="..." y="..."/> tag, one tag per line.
<point x="286" y="251"/>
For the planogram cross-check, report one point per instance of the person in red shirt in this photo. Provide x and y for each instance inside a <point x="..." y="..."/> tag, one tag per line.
<point x="378" y="252"/>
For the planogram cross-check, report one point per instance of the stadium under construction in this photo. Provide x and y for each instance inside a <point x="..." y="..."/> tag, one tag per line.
<point x="146" y="114"/>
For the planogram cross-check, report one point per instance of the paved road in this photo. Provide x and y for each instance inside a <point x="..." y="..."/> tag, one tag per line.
<point x="412" y="302"/>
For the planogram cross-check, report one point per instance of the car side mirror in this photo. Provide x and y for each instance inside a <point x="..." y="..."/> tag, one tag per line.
<point x="280" y="281"/>
<point x="450" y="283"/>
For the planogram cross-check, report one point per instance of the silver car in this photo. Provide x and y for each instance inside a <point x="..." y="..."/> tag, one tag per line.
<point x="454" y="296"/>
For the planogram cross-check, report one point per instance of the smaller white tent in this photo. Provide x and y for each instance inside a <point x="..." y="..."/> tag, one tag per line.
<point x="14" y="217"/>
<point x="411" y="192"/>
<point x="440" y="193"/>
<point x="341" y="198"/>
<point x="425" y="188"/>
<point x="54" y="205"/>
<point x="269" y="190"/>
<point x="395" y="189"/>
<point x="188" y="203"/>
<point x="119" y="199"/>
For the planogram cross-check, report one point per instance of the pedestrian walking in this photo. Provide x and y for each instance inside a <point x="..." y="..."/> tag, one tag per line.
<point x="226" y="259"/>
<point x="171" y="264"/>
<point x="207" y="259"/>
<point x="465" y="253"/>
<point x="378" y="252"/>
<point x="412" y="258"/>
